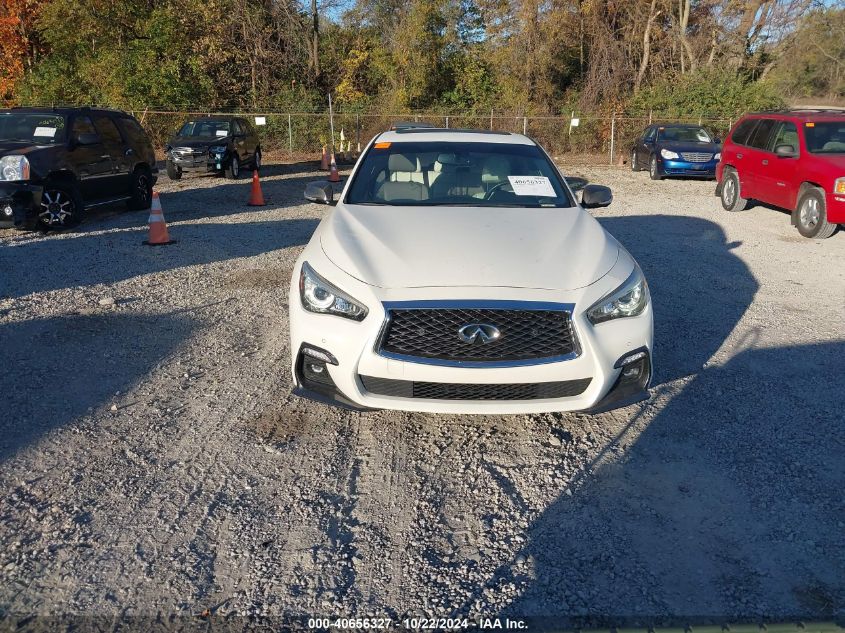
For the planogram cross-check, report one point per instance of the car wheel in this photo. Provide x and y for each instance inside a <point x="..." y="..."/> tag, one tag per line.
<point x="731" y="200"/>
<point x="256" y="161"/>
<point x="811" y="215"/>
<point x="233" y="171"/>
<point x="635" y="166"/>
<point x="142" y="190"/>
<point x="174" y="172"/>
<point x="61" y="207"/>
<point x="652" y="169"/>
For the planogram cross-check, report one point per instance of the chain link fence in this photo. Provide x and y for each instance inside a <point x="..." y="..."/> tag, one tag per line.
<point x="303" y="134"/>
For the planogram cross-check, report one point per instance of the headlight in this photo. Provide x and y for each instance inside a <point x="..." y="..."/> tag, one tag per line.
<point x="839" y="185"/>
<point x="665" y="153"/>
<point x="717" y="156"/>
<point x="318" y="295"/>
<point x="629" y="299"/>
<point x="217" y="149"/>
<point x="14" y="168"/>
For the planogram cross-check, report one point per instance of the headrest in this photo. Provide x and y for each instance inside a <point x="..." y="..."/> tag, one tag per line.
<point x="402" y="162"/>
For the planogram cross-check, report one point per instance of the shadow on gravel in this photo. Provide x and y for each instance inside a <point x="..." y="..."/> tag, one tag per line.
<point x="38" y="265"/>
<point x="728" y="507"/>
<point x="58" y="368"/>
<point x="700" y="289"/>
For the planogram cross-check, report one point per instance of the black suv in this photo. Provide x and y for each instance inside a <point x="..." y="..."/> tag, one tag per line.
<point x="213" y="144"/>
<point x="57" y="162"/>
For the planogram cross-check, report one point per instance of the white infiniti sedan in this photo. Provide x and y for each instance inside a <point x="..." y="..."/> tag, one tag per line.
<point x="458" y="273"/>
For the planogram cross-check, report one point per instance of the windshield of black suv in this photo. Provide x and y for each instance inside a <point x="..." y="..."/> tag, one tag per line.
<point x="206" y="128"/>
<point x="39" y="129"/>
<point x="686" y="134"/>
<point x="825" y="137"/>
<point x="457" y="174"/>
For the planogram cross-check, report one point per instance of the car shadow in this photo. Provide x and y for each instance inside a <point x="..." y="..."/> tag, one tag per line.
<point x="105" y="258"/>
<point x="689" y="265"/>
<point x="60" y="368"/>
<point x="726" y="508"/>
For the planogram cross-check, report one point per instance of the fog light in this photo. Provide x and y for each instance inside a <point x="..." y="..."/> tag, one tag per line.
<point x="319" y="354"/>
<point x="8" y="211"/>
<point x="632" y="372"/>
<point x="315" y="368"/>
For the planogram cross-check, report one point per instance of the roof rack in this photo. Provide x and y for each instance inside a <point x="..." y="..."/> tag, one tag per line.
<point x="799" y="109"/>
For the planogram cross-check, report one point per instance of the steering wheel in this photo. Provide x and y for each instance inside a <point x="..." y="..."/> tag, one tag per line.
<point x="498" y="187"/>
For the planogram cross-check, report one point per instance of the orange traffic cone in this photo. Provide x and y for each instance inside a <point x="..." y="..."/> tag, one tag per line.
<point x="324" y="161"/>
<point x="158" y="235"/>
<point x="333" y="175"/>
<point x="256" y="198"/>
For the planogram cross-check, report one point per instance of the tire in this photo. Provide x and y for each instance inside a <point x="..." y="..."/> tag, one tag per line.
<point x="174" y="172"/>
<point x="61" y="207"/>
<point x="635" y="165"/>
<point x="233" y="171"/>
<point x="729" y="194"/>
<point x="256" y="160"/>
<point x="141" y="190"/>
<point x="652" y="169"/>
<point x="810" y="215"/>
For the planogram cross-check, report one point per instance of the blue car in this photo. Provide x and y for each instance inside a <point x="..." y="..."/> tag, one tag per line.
<point x="676" y="150"/>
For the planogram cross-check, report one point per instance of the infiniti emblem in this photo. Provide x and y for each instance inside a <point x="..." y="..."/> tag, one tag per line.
<point x="479" y="333"/>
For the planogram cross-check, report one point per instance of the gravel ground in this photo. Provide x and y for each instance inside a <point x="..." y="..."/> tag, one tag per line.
<point x="154" y="462"/>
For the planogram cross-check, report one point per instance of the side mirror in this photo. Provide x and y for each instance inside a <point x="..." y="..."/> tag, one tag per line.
<point x="87" y="138"/>
<point x="320" y="192"/>
<point x="593" y="196"/>
<point x="785" y="151"/>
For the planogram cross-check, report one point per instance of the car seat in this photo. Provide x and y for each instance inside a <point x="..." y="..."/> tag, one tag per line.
<point x="404" y="187"/>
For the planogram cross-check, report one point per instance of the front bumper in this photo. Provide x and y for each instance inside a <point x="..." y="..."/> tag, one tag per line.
<point x="687" y="168"/>
<point x="19" y="203"/>
<point x="206" y="162"/>
<point x="835" y="208"/>
<point x="352" y="345"/>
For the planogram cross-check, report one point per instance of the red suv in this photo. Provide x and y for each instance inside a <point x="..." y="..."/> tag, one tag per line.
<point x="793" y="159"/>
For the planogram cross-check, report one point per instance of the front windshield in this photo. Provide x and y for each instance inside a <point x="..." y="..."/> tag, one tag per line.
<point x="686" y="134"/>
<point x="825" y="138"/>
<point x="40" y="129"/>
<point x="457" y="174"/>
<point x="206" y="128"/>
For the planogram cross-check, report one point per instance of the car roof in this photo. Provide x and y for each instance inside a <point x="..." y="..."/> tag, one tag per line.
<point x="803" y="114"/>
<point x="433" y="135"/>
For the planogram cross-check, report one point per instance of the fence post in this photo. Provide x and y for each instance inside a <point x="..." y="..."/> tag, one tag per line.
<point x="612" y="135"/>
<point x="699" y="120"/>
<point x="447" y="123"/>
<point x="290" y="134"/>
<point x="358" y="131"/>
<point x="525" y="126"/>
<point x="650" y="112"/>
<point x="491" y="118"/>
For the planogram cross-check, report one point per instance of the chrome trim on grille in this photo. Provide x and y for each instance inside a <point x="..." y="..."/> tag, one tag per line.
<point x="697" y="157"/>
<point x="478" y="304"/>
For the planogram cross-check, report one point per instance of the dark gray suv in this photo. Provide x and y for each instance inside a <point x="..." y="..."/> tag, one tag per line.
<point x="57" y="162"/>
<point x="213" y="144"/>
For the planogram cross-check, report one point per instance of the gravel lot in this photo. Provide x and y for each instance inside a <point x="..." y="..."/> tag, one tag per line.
<point x="153" y="462"/>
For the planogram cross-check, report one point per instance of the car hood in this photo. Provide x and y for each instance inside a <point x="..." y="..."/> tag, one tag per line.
<point x="684" y="146"/>
<point x="193" y="141"/>
<point x="19" y="147"/>
<point x="415" y="247"/>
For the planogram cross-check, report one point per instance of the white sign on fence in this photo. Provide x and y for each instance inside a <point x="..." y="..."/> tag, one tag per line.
<point x="261" y="120"/>
<point x="574" y="122"/>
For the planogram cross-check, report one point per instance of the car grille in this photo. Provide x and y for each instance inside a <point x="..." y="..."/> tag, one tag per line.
<point x="461" y="391"/>
<point x="696" y="157"/>
<point x="433" y="334"/>
<point x="187" y="152"/>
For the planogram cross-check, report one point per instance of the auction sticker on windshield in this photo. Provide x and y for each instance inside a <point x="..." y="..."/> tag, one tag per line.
<point x="45" y="131"/>
<point x="532" y="186"/>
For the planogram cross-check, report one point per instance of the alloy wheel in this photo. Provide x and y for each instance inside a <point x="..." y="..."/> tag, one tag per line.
<point x="810" y="214"/>
<point x="729" y="191"/>
<point x="57" y="208"/>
